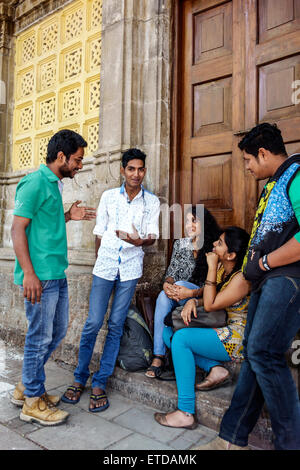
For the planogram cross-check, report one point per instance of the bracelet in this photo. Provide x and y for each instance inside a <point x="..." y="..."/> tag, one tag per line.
<point x="265" y="263"/>
<point x="209" y="283"/>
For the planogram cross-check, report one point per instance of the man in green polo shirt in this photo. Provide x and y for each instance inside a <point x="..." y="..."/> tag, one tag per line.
<point x="40" y="244"/>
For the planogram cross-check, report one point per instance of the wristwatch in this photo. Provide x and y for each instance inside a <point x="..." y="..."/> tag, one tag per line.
<point x="265" y="263"/>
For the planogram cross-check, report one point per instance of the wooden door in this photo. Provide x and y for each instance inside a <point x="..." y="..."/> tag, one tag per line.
<point x="273" y="67"/>
<point x="237" y="62"/>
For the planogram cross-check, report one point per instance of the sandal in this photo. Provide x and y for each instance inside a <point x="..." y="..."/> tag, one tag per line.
<point x="161" y="418"/>
<point x="209" y="384"/>
<point x="156" y="369"/>
<point x="98" y="398"/>
<point x="168" y="375"/>
<point x="75" y="390"/>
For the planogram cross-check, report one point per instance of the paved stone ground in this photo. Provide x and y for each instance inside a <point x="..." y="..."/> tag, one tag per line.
<point x="125" y="425"/>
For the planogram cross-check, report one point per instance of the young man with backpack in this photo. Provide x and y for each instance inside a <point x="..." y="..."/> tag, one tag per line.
<point x="272" y="264"/>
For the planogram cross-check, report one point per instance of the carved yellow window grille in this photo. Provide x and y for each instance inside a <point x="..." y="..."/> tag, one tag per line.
<point x="57" y="81"/>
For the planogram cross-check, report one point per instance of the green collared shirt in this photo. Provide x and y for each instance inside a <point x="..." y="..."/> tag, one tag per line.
<point x="38" y="198"/>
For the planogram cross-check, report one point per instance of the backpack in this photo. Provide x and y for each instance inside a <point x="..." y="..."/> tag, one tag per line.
<point x="136" y="344"/>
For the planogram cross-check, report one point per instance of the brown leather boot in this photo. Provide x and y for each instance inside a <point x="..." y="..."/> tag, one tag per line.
<point x="42" y="411"/>
<point x="18" y="398"/>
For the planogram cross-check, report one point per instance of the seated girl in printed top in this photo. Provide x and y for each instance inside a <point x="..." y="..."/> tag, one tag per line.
<point x="183" y="279"/>
<point x="224" y="288"/>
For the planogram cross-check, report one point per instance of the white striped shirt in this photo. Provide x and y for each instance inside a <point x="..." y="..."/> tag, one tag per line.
<point x="117" y="212"/>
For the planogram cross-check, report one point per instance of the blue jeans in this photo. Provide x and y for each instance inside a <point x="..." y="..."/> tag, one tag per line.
<point x="191" y="347"/>
<point x="273" y="321"/>
<point x="99" y="298"/>
<point x="47" y="326"/>
<point x="164" y="305"/>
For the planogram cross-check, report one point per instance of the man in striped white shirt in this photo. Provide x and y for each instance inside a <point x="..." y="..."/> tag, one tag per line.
<point x="127" y="220"/>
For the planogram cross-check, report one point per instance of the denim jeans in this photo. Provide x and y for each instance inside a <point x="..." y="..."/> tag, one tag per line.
<point x="272" y="323"/>
<point x="99" y="298"/>
<point x="165" y="305"/>
<point x="47" y="326"/>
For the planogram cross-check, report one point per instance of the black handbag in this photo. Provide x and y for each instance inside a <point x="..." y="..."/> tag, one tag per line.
<point x="214" y="319"/>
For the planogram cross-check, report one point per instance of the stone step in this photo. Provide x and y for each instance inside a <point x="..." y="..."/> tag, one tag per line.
<point x="210" y="406"/>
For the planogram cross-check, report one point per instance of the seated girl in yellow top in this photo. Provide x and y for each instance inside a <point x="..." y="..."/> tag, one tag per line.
<point x="225" y="288"/>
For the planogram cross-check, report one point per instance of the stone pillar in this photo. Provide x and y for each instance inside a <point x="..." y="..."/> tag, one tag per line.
<point x="134" y="112"/>
<point x="135" y="99"/>
<point x="135" y="81"/>
<point x="6" y="82"/>
<point x="6" y="86"/>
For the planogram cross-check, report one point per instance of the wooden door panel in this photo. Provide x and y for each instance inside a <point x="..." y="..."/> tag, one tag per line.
<point x="277" y="18"/>
<point x="212" y="107"/>
<point x="212" y="33"/>
<point x="212" y="181"/>
<point x="275" y="89"/>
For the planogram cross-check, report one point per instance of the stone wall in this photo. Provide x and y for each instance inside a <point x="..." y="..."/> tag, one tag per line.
<point x="134" y="111"/>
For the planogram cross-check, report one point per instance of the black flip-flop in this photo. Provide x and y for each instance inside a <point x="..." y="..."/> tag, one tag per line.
<point x="74" y="389"/>
<point x="98" y="398"/>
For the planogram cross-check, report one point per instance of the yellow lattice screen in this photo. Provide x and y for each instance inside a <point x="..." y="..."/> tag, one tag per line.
<point x="57" y="81"/>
